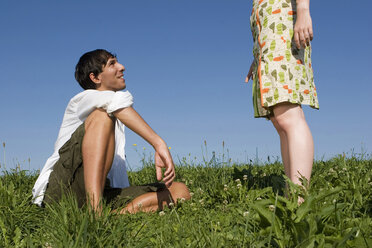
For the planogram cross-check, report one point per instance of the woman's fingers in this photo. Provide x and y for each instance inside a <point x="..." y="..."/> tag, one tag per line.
<point x="311" y="34"/>
<point x="307" y="38"/>
<point x="250" y="73"/>
<point x="249" y="76"/>
<point x="302" y="39"/>
<point x="297" y="40"/>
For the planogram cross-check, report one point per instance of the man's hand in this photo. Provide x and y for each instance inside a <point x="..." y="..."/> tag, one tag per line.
<point x="303" y="29"/>
<point x="163" y="159"/>
<point x="250" y="73"/>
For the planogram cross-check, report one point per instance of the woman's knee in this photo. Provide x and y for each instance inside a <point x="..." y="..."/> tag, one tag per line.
<point x="288" y="116"/>
<point x="275" y="123"/>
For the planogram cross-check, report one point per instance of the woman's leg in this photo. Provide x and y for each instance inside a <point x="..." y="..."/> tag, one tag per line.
<point x="98" y="151"/>
<point x="291" y="119"/>
<point x="153" y="201"/>
<point x="283" y="145"/>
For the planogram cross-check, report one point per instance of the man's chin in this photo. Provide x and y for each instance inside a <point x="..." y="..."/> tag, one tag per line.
<point x="122" y="87"/>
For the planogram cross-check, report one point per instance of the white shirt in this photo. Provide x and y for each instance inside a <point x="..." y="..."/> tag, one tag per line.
<point x="78" y="109"/>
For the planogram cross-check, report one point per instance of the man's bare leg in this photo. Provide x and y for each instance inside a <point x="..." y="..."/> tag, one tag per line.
<point x="98" y="151"/>
<point x="153" y="201"/>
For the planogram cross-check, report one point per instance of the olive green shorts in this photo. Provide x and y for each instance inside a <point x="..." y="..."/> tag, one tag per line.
<point x="67" y="177"/>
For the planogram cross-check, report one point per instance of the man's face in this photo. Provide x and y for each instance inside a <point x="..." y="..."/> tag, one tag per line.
<point x="112" y="76"/>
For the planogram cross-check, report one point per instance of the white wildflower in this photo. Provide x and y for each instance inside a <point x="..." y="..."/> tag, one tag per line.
<point x="171" y="204"/>
<point x="161" y="213"/>
<point x="245" y="214"/>
<point x="271" y="207"/>
<point x="245" y="177"/>
<point x="239" y="185"/>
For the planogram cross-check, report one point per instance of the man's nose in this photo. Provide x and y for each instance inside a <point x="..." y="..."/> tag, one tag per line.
<point x="122" y="68"/>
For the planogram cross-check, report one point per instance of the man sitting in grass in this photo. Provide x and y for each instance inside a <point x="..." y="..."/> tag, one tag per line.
<point x="89" y="157"/>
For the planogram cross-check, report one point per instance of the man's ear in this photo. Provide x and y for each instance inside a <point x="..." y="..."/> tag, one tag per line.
<point x="96" y="80"/>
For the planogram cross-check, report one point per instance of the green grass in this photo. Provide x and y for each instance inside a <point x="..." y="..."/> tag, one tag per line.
<point x="231" y="206"/>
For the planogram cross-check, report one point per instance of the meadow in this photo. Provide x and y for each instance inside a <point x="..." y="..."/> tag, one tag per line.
<point x="232" y="205"/>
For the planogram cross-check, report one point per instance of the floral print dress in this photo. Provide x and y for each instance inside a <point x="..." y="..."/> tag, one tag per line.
<point x="282" y="73"/>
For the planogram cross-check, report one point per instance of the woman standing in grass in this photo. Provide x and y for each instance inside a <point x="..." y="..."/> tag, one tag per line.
<point x="283" y="78"/>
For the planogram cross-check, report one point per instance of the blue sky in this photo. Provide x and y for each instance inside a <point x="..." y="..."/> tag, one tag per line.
<point x="185" y="66"/>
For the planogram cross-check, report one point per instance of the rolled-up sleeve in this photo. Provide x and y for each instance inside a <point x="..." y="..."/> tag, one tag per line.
<point x="120" y="100"/>
<point x="110" y="101"/>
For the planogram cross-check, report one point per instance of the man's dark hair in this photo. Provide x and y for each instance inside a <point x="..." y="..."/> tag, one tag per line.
<point x="91" y="62"/>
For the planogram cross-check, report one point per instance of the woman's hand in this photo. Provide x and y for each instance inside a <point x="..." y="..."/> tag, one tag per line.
<point x="250" y="73"/>
<point x="303" y="29"/>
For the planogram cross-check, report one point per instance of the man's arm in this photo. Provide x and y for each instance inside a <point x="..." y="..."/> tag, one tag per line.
<point x="163" y="159"/>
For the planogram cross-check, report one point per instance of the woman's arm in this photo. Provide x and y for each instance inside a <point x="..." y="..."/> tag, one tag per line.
<point x="303" y="29"/>
<point x="163" y="159"/>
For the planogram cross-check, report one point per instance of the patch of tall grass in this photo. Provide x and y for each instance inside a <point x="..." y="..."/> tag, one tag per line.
<point x="232" y="205"/>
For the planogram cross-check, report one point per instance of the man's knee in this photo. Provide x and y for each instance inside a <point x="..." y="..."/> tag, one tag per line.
<point x="179" y="191"/>
<point x="99" y="118"/>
